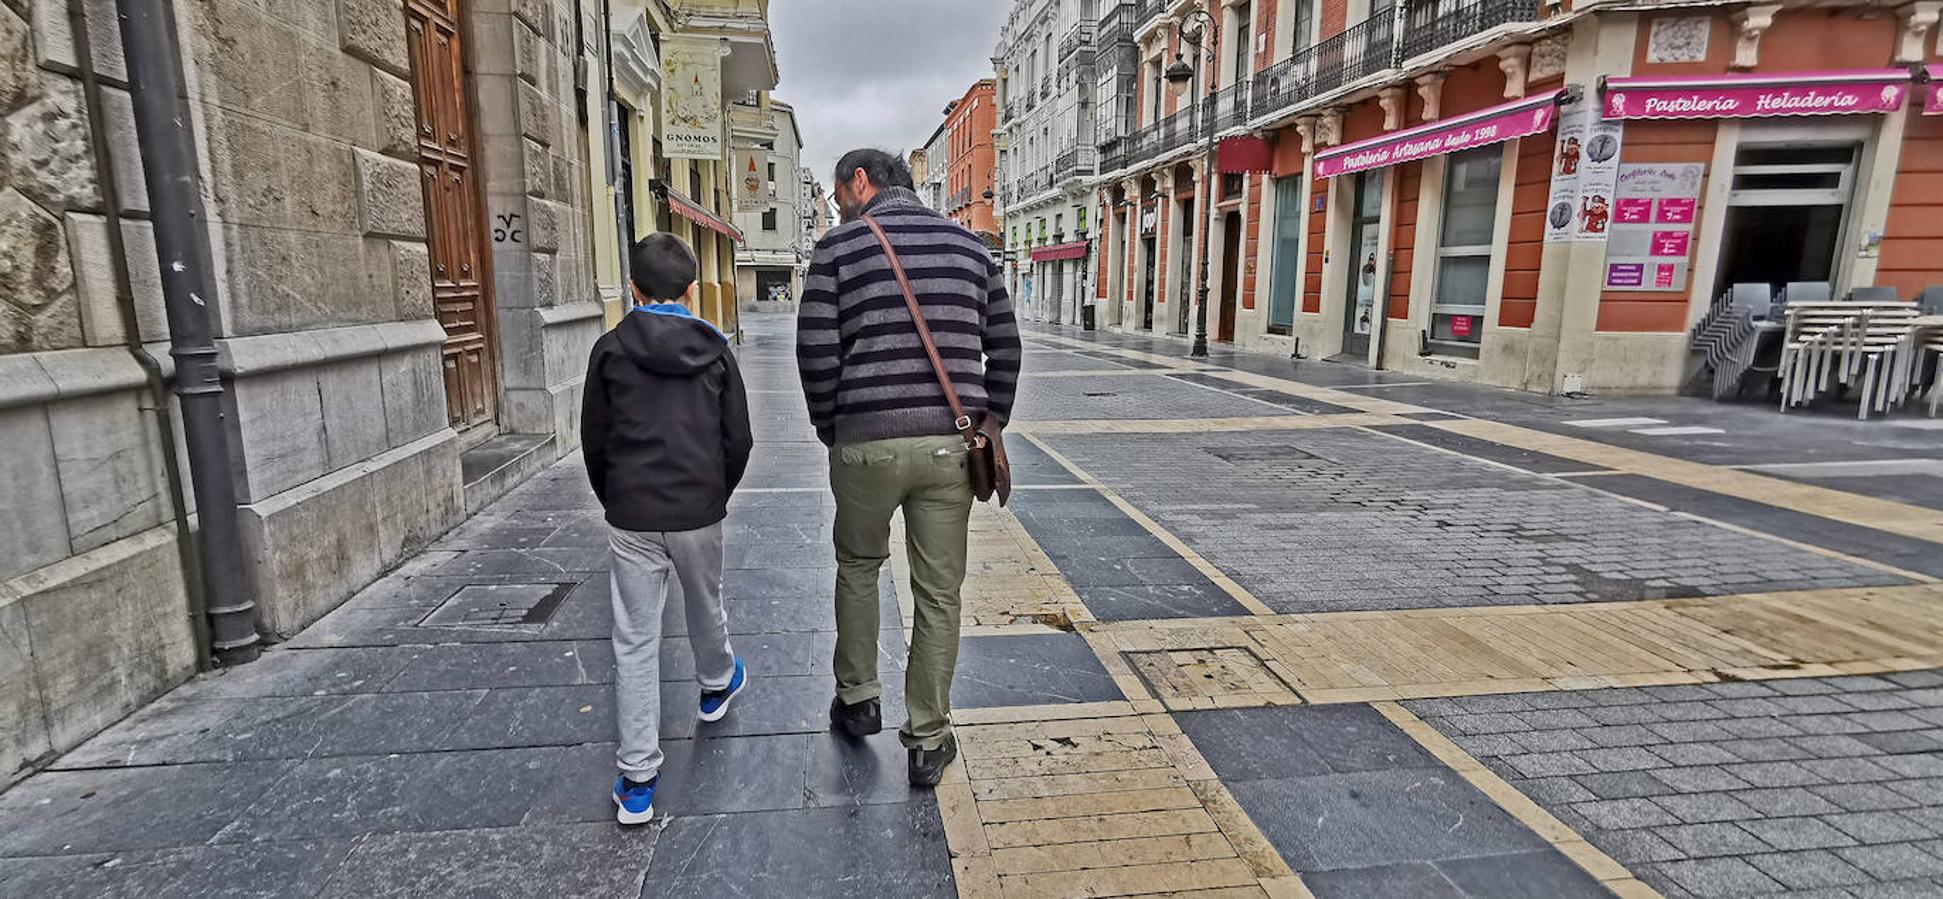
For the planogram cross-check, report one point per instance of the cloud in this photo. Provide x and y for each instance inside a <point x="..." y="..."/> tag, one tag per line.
<point x="867" y="73"/>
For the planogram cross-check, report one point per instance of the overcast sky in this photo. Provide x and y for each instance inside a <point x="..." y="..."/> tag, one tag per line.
<point x="867" y="73"/>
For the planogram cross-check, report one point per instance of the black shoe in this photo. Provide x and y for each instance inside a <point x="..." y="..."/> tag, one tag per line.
<point x="858" y="719"/>
<point x="928" y="765"/>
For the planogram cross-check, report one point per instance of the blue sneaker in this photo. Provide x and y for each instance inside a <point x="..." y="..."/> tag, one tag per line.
<point x="636" y="801"/>
<point x="715" y="703"/>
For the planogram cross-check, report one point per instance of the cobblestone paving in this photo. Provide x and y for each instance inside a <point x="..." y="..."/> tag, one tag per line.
<point x="1827" y="787"/>
<point x="1130" y="397"/>
<point x="1341" y="519"/>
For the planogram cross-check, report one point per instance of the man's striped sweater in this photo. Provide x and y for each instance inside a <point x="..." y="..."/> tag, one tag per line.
<point x="865" y="372"/>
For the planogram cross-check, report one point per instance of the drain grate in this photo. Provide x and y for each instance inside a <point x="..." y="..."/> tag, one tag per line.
<point x="499" y="605"/>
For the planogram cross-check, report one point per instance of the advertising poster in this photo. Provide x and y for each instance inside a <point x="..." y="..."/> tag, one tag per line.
<point x="752" y="192"/>
<point x="1366" y="267"/>
<point x="1654" y="212"/>
<point x="691" y="99"/>
<point x="1585" y="168"/>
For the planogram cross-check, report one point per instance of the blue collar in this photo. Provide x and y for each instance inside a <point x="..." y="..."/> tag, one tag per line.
<point x="677" y="310"/>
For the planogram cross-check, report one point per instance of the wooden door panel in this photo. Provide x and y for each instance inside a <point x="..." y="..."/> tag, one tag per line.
<point x="455" y="230"/>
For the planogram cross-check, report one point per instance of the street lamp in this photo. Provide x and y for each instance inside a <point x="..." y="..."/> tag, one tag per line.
<point x="1180" y="76"/>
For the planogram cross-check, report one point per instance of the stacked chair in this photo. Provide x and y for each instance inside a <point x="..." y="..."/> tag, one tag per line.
<point x="1872" y="341"/>
<point x="1729" y="336"/>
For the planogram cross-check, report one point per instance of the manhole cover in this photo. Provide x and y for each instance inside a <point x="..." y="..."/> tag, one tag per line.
<point x="499" y="605"/>
<point x="1261" y="453"/>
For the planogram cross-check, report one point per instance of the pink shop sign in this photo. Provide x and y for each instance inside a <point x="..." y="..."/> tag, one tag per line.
<point x="1756" y="96"/>
<point x="1486" y="126"/>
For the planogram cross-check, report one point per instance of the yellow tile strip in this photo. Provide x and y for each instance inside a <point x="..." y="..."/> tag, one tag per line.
<point x="1097" y="801"/>
<point x="1568" y="842"/>
<point x="1373" y="656"/>
<point x="1216" y="575"/>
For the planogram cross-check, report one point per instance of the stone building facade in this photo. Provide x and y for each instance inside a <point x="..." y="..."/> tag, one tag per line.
<point x="401" y="277"/>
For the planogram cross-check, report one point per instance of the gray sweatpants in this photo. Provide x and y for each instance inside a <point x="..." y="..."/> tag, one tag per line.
<point x="642" y="563"/>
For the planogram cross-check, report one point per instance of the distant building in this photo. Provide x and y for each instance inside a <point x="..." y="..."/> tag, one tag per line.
<point x="763" y="179"/>
<point x="970" y="160"/>
<point x="936" y="158"/>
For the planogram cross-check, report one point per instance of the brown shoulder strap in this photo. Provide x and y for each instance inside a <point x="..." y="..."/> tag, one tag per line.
<point x="959" y="419"/>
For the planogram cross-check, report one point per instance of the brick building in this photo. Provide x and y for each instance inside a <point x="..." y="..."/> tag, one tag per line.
<point x="1540" y="196"/>
<point x="969" y="160"/>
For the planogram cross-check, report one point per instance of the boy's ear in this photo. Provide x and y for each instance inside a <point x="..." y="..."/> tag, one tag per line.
<point x="689" y="294"/>
<point x="634" y="292"/>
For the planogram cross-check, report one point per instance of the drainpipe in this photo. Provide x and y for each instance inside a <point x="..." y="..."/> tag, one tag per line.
<point x="182" y="252"/>
<point x="152" y="371"/>
<point x="610" y="103"/>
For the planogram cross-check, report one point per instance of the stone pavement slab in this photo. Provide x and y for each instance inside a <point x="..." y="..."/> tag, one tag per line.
<point x="1831" y="787"/>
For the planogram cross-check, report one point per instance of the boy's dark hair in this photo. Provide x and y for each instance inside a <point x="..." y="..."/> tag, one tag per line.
<point x="662" y="266"/>
<point x="883" y="169"/>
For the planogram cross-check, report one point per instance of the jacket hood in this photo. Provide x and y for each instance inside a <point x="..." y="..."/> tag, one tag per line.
<point x="667" y="339"/>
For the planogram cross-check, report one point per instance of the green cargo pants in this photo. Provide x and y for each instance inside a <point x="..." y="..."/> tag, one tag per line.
<point x="925" y="476"/>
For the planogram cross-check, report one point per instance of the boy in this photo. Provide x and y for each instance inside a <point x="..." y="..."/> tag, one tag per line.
<point x="665" y="430"/>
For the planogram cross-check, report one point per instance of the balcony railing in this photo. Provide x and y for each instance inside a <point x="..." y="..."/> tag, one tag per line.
<point x="1078" y="39"/>
<point x="1146" y="10"/>
<point x="1113" y="154"/>
<point x="1229" y="106"/>
<point x="1075" y="162"/>
<point x="1363" y="50"/>
<point x="1438" y="23"/>
<point x="1116" y="25"/>
<point x="1045" y="88"/>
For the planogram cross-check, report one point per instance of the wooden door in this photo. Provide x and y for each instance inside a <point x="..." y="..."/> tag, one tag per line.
<point x="455" y="231"/>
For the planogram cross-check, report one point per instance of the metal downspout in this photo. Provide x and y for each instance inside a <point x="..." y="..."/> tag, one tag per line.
<point x="182" y="253"/>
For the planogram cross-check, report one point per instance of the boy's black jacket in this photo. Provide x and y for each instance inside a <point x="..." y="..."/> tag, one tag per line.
<point x="665" y="423"/>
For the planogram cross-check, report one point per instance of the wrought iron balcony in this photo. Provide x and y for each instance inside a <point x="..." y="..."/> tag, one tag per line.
<point x="1229" y="106"/>
<point x="1075" y="162"/>
<point x="1147" y="10"/>
<point x="1113" y="154"/>
<point x="1116" y="25"/>
<point x="1363" y="50"/>
<point x="1078" y="39"/>
<point x="1045" y="88"/>
<point x="1432" y="24"/>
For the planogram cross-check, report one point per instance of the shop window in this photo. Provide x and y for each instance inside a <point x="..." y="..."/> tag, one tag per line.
<point x="1464" y="249"/>
<point x="1286" y="285"/>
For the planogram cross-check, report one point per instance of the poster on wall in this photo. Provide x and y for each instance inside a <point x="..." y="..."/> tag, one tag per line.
<point x="752" y="193"/>
<point x="1653" y="215"/>
<point x="1585" y="168"/>
<point x="691" y="98"/>
<point x="1366" y="268"/>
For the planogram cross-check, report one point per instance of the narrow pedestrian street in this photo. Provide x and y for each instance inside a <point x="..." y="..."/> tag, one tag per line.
<point x="1249" y="627"/>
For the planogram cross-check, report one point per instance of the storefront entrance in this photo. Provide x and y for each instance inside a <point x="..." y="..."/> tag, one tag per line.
<point x="1365" y="278"/>
<point x="1230" y="275"/>
<point x="1183" y="292"/>
<point x="1785" y="214"/>
<point x="1148" y="249"/>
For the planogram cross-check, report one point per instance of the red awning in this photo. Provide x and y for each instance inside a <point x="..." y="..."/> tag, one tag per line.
<point x="1933" y="105"/>
<point x="693" y="211"/>
<point x="1058" y="251"/>
<point x="1491" y="125"/>
<point x="1840" y="92"/>
<point x="1244" y="153"/>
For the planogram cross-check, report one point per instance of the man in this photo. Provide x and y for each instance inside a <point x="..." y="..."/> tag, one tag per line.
<point x="876" y="402"/>
<point x="665" y="432"/>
